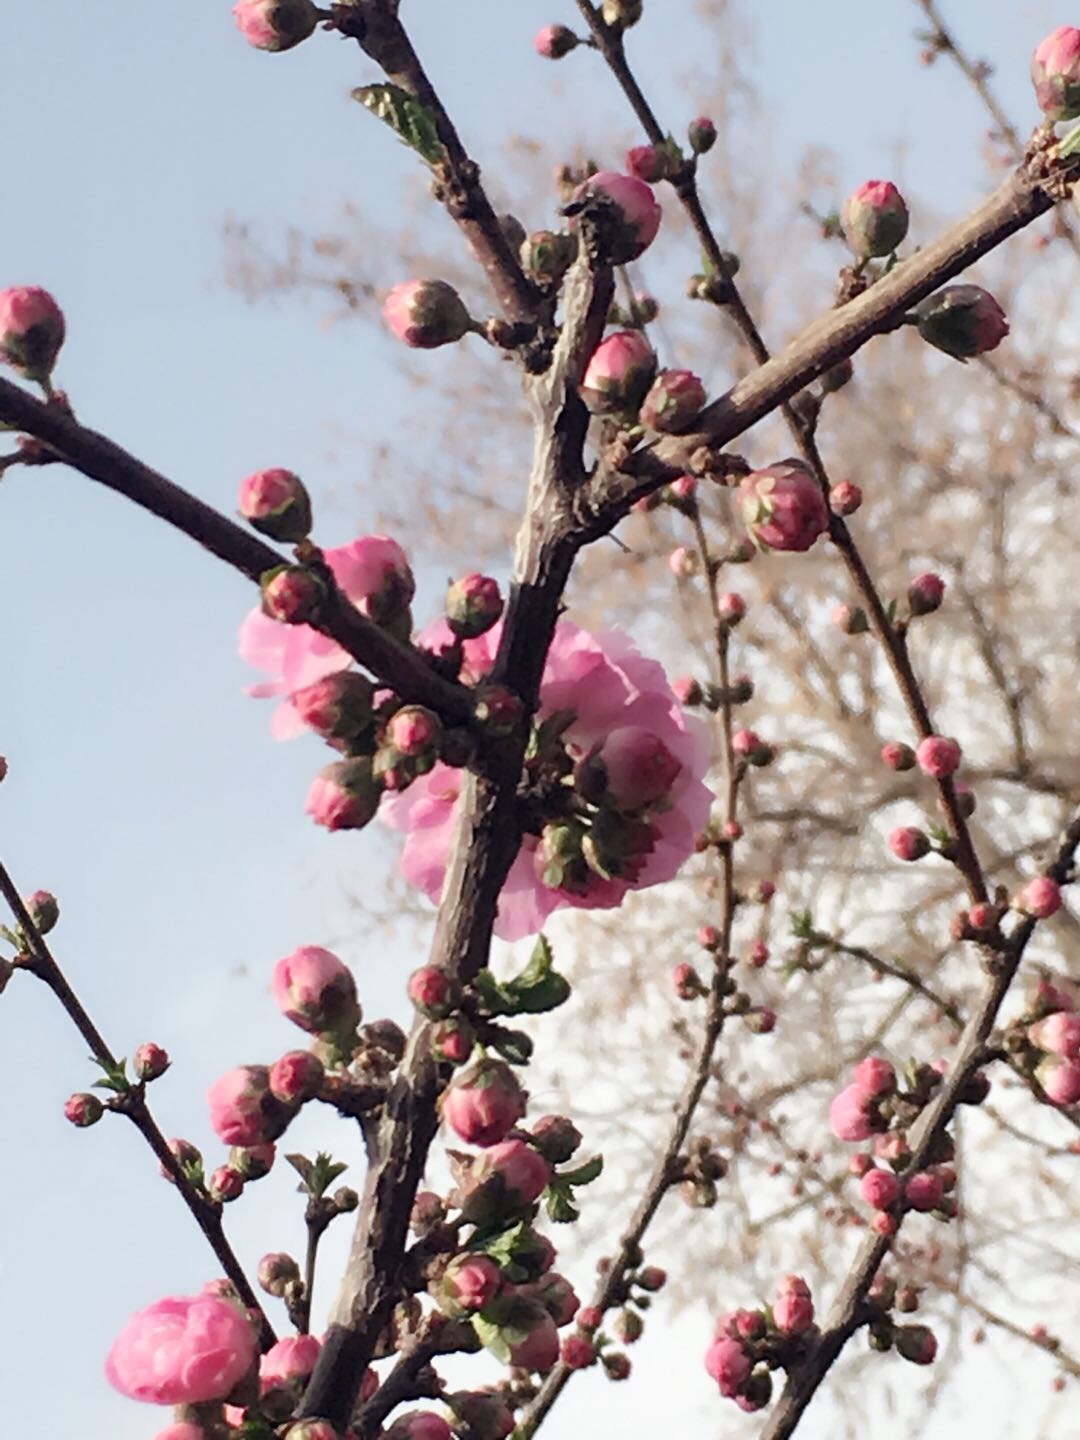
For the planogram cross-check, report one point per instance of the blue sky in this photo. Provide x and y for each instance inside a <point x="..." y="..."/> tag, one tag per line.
<point x="144" y="788"/>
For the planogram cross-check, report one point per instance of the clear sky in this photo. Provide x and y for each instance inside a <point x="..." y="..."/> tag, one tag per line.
<point x="144" y="788"/>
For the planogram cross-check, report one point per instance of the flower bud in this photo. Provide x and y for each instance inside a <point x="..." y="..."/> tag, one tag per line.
<point x="547" y="255"/>
<point x="908" y="843"/>
<point x="413" y="731"/>
<point x="188" y="1157"/>
<point x="749" y="746"/>
<point x="793" y="1308"/>
<point x="555" y="41"/>
<point x="485" y="1413"/>
<point x="315" y="990"/>
<point x="850" y="619"/>
<point x="1058" y="1034"/>
<point x="453" y="1040"/>
<point x="432" y="991"/>
<point x="618" y="374"/>
<point x="425" y="314"/>
<point x="276" y="503"/>
<point x="673" y="402"/>
<point x="292" y="594"/>
<point x="338" y="707"/>
<point x="924" y="1191"/>
<point x="428" y="1211"/>
<point x="43" y="909"/>
<point x="473" y="604"/>
<point x="345" y="795"/>
<point x="83" y="1110"/>
<point x="1055" y="73"/>
<point x="880" y="1188"/>
<point x="296" y="1077"/>
<point x="874" y="219"/>
<point x="938" y="756"/>
<point x="275" y="24"/>
<point x="686" y="982"/>
<point x="225" y="1184"/>
<point x="701" y="133"/>
<point x="277" y="1271"/>
<point x="688" y="691"/>
<point x="149" y="1062"/>
<point x="845" y="498"/>
<point x="578" y="1352"/>
<point x="633" y="213"/>
<point x="504" y="1177"/>
<point x="242" y="1109"/>
<point x="652" y="1278"/>
<point x="850" y="1115"/>
<point x="497" y="709"/>
<point x="1040" y="898"/>
<point x="925" y="594"/>
<point x="915" y="1343"/>
<point x="729" y="1364"/>
<point x="621" y="14"/>
<point x="556" y="1137"/>
<point x="962" y="320"/>
<point x="31" y="331"/>
<point x="897" y="755"/>
<point x="484" y="1102"/>
<point x="470" y="1282"/>
<point x="783" y="507"/>
<point x="1060" y="1080"/>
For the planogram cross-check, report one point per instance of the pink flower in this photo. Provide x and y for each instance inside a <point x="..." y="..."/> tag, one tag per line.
<point x="183" y="1350"/>
<point x="607" y="685"/>
<point x="963" y="321"/>
<point x="728" y="1364"/>
<point x="908" y="843"/>
<point x="674" y="401"/>
<point x="31" y="330"/>
<point x="1040" y="898"/>
<point x="1055" y="73"/>
<point x="276" y="503"/>
<point x="554" y="41"/>
<point x="618" y="373"/>
<point x="1059" y="1034"/>
<point x="874" y="1076"/>
<point x="938" y="756"/>
<point x="849" y="1115"/>
<point x="483" y="1103"/>
<point x="275" y="24"/>
<point x="470" y="1282"/>
<point x="793" y="1308"/>
<point x="1060" y="1079"/>
<point x="425" y="314"/>
<point x="637" y="212"/>
<point x="879" y="1188"/>
<point x="374" y="574"/>
<point x="315" y="990"/>
<point x="924" y="1191"/>
<point x="242" y="1109"/>
<point x="783" y="507"/>
<point x="289" y="1360"/>
<point x="875" y="219"/>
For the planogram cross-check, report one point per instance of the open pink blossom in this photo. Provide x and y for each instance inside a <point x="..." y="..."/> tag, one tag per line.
<point x="183" y="1350"/>
<point x="608" y="686"/>
<point x="374" y="573"/>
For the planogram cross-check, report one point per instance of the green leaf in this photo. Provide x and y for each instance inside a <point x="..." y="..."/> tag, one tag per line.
<point x="493" y="995"/>
<point x="1069" y="144"/>
<point x="492" y="1338"/>
<point x="537" y="989"/>
<point x="802" y="924"/>
<point x="560" y="1204"/>
<point x="115" y="1079"/>
<point x="411" y="121"/>
<point x="302" y="1165"/>
<point x="584" y="1174"/>
<point x="540" y="964"/>
<point x="546" y="994"/>
<point x="512" y="1045"/>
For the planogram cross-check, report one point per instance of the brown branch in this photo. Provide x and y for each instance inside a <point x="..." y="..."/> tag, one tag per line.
<point x="40" y="962"/>
<point x="100" y="459"/>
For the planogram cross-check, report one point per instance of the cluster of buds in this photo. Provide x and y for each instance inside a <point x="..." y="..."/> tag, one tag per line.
<point x="621" y="382"/>
<point x="748" y="1345"/>
<point x="1045" y="1041"/>
<point x="697" y="1172"/>
<point x="591" y="1344"/>
<point x="915" y="1343"/>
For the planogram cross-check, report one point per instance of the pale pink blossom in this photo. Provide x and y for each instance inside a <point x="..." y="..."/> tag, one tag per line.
<point x="606" y="684"/>
<point x="183" y="1350"/>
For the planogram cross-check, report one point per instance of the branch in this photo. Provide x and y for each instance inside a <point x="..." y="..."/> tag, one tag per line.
<point x="399" y="666"/>
<point x="39" y="961"/>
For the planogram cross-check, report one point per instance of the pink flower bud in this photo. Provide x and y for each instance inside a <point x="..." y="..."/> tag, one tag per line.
<point x="925" y="594"/>
<point x="728" y="1364"/>
<point x="522" y="1173"/>
<point x="619" y="373"/>
<point x="647" y="162"/>
<point x="315" y="990"/>
<point x="1060" y="1079"/>
<point x="242" y="1109"/>
<point x="874" y="1076"/>
<point x="345" y="795"/>
<point x="924" y="1191"/>
<point x="880" y="1188"/>
<point x="762" y="892"/>
<point x="3" y="768"/>
<point x="761" y="1022"/>
<point x="1059" y="1034"/>
<point x="183" y="1350"/>
<point x="749" y="746"/>
<point x="686" y="982"/>
<point x="296" y="1077"/>
<point x="897" y="755"/>
<point x="884" y="1223"/>
<point x="275" y="24"/>
<point x="44" y="911"/>
<point x="555" y="41"/>
<point x="732" y="607"/>
<point x="547" y="255"/>
<point x="845" y="498"/>
<point x="636" y="213"/>
<point x="453" y="1040"/>
<point x="793" y="1308"/>
<point x="188" y="1157"/>
<point x="31" y="331"/>
<point x="149" y="1062"/>
<point x="578" y="1352"/>
<point x="485" y="1412"/>
<point x="628" y="1327"/>
<point x="292" y="594"/>
<point x="473" y="605"/>
<point x="557" y="1296"/>
<point x="850" y="619"/>
<point x="425" y="314"/>
<point x="277" y="1271"/>
<point x="432" y="991"/>
<point x="849" y="1115"/>
<point x="470" y="1282"/>
<point x="225" y="1184"/>
<point x="589" y="1317"/>
<point x="288" y="1362"/>
<point x="83" y="1110"/>
<point x="908" y="843"/>
<point x="1055" y="73"/>
<point x="682" y="562"/>
<point x="338" y="707"/>
<point x="962" y="320"/>
<point x="556" y="1137"/>
<point x="938" y="756"/>
<point x="652" y="1278"/>
<point x="783" y="507"/>
<point x="276" y="503"/>
<point x="701" y="134"/>
<point x="1040" y="898"/>
<point x="497" y="709"/>
<point x="673" y="403"/>
<point x="915" y="1343"/>
<point x="875" y="219"/>
<point x="759" y="954"/>
<point x="185" y="1430"/>
<point x="483" y="1102"/>
<point x="639" y="768"/>
<point x="419" y="1425"/>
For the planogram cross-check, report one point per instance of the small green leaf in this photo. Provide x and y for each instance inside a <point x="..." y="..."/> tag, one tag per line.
<point x="560" y="1204"/>
<point x="546" y="994"/>
<point x="512" y="1045"/>
<point x="493" y="995"/>
<point x="584" y="1174"/>
<point x="302" y="1165"/>
<point x="411" y="121"/>
<point x="492" y="1338"/>
<point x="115" y="1079"/>
<point x="540" y="963"/>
